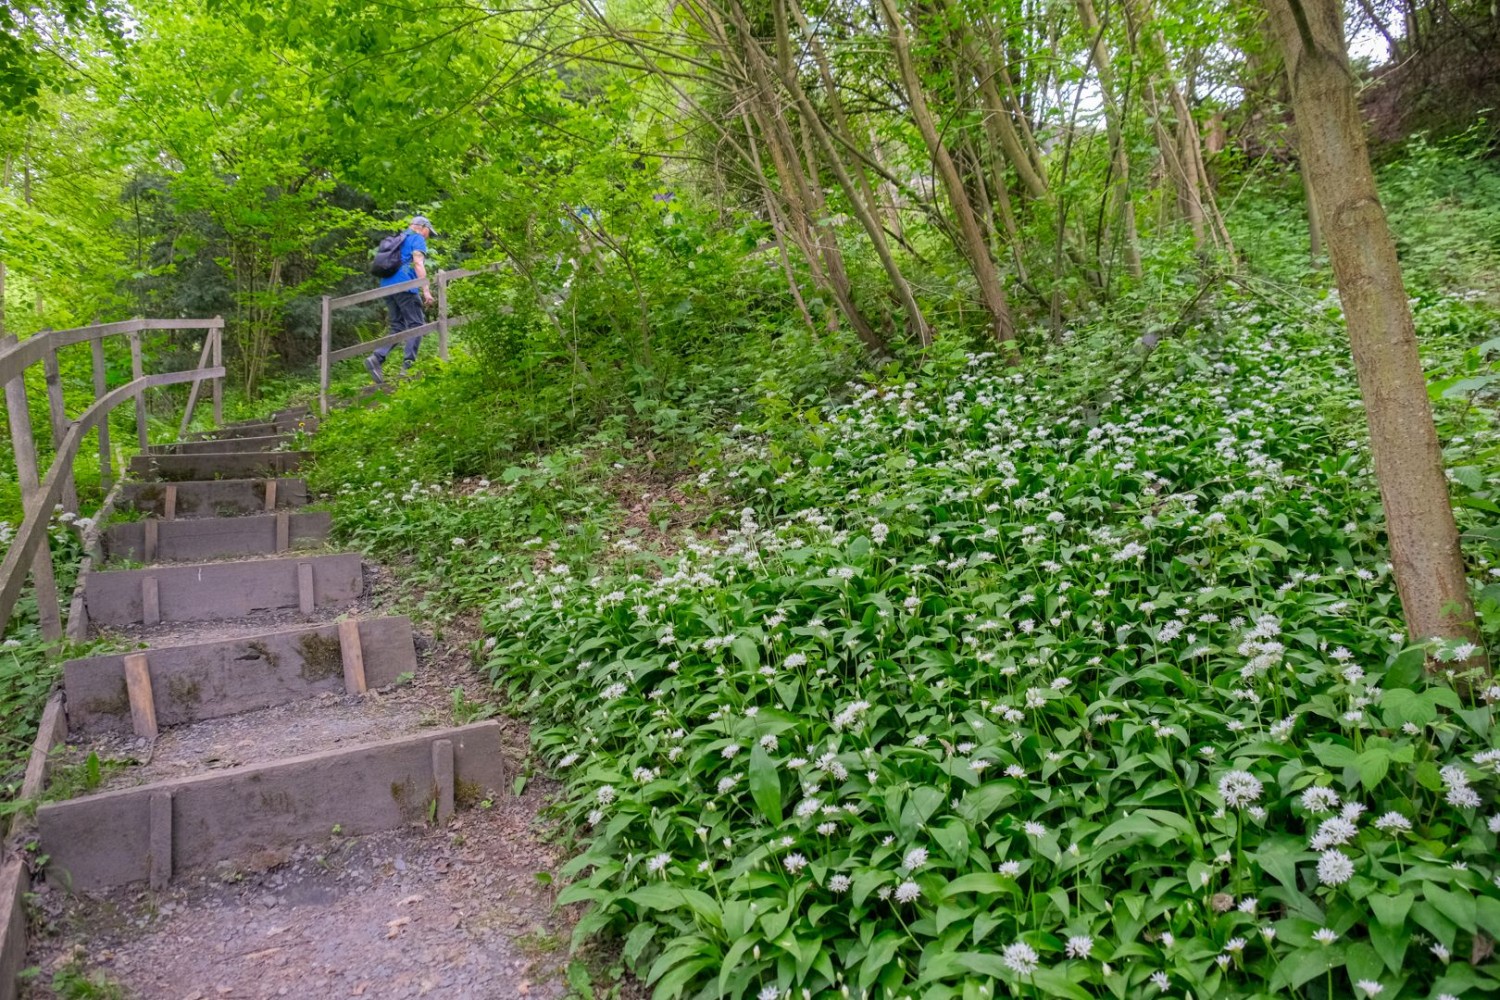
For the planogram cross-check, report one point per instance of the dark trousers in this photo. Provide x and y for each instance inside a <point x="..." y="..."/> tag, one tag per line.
<point x="406" y="312"/>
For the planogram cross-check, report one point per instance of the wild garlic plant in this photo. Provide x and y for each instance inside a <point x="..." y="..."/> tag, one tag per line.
<point x="992" y="687"/>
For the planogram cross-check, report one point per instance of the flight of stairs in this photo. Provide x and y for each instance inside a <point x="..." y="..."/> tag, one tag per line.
<point x="242" y="618"/>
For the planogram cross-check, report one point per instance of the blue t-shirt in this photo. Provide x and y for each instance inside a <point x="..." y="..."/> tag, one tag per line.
<point x="414" y="243"/>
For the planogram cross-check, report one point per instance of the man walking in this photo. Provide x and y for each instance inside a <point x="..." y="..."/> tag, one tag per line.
<point x="406" y="309"/>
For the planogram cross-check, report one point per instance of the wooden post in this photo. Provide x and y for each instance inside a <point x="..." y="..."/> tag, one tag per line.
<point x="283" y="530"/>
<point x="160" y="839"/>
<point x="137" y="370"/>
<point x="49" y="612"/>
<point x="218" y="362"/>
<point x="442" y="778"/>
<point x="354" y="657"/>
<point x="149" y="544"/>
<point x="150" y="601"/>
<point x="270" y="494"/>
<point x="169" y="502"/>
<point x="323" y="358"/>
<point x="100" y="387"/>
<point x="138" y="688"/>
<point x="442" y="304"/>
<point x="58" y="411"/>
<point x="192" y="400"/>
<point x="306" y="597"/>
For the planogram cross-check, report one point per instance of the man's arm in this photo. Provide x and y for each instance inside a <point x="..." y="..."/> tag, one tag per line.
<point x="419" y="264"/>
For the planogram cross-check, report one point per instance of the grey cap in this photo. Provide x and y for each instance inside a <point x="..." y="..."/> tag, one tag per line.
<point x="421" y="220"/>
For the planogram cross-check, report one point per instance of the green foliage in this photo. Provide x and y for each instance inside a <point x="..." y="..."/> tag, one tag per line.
<point x="73" y="982"/>
<point x="998" y="684"/>
<point x="1444" y="203"/>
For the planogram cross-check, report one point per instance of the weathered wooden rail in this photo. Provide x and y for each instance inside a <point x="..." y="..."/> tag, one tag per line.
<point x="29" y="550"/>
<point x="441" y="326"/>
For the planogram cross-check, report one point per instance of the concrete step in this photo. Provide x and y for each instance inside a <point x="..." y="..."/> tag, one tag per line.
<point x="205" y="538"/>
<point x="200" y="591"/>
<point x="218" y="465"/>
<point x="307" y="425"/>
<point x="210" y="498"/>
<point x="210" y="680"/>
<point x="270" y="442"/>
<point x="147" y="834"/>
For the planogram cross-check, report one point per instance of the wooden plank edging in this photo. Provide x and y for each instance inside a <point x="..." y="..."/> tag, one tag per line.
<point x="222" y="590"/>
<point x="205" y="538"/>
<point x="213" y="497"/>
<point x="213" y="679"/>
<point x="106" y="839"/>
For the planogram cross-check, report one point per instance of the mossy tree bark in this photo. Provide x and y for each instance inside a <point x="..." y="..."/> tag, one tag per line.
<point x="1424" y="546"/>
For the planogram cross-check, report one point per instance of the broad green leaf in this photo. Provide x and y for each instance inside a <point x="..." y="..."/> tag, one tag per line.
<point x="765" y="784"/>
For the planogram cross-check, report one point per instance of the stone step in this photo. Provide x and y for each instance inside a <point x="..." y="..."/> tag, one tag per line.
<point x="307" y="425"/>
<point x="205" y="538"/>
<point x="218" y="465"/>
<point x="270" y="442"/>
<point x="223" y="590"/>
<point x="147" y="834"/>
<point x="210" y="680"/>
<point x="209" y="498"/>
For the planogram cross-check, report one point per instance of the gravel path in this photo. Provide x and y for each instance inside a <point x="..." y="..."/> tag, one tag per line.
<point x="457" y="911"/>
<point x="452" y="913"/>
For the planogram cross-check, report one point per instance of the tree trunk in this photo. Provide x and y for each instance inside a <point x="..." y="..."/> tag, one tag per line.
<point x="986" y="274"/>
<point x="1114" y="130"/>
<point x="1425" y="553"/>
<point x="857" y="190"/>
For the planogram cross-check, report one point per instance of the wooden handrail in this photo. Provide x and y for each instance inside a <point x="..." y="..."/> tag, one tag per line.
<point x="391" y="339"/>
<point x="38" y="508"/>
<point x="16" y="359"/>
<point x="29" y="549"/>
<point x="379" y="292"/>
<point x="441" y="325"/>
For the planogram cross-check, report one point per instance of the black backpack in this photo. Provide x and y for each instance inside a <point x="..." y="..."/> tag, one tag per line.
<point x="388" y="256"/>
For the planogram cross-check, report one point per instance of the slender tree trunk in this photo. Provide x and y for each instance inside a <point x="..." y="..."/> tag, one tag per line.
<point x="1425" y="553"/>
<point x="857" y="191"/>
<point x="986" y="274"/>
<point x="799" y="184"/>
<point x="1114" y="130"/>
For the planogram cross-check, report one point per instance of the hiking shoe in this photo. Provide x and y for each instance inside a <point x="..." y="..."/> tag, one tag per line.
<point x="373" y="367"/>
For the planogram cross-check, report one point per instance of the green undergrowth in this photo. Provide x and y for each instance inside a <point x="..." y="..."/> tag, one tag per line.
<point x="943" y="678"/>
<point x="1060" y="679"/>
<point x="993" y="684"/>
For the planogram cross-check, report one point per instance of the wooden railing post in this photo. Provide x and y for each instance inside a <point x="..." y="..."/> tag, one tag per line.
<point x="49" y="612"/>
<point x="192" y="400"/>
<point x="217" y="333"/>
<point x="442" y="304"/>
<point x="100" y="388"/>
<point x="137" y="369"/>
<point x="58" y="411"/>
<point x="323" y="364"/>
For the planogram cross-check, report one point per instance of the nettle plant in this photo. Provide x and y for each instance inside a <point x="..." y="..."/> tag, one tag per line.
<point x="994" y="690"/>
